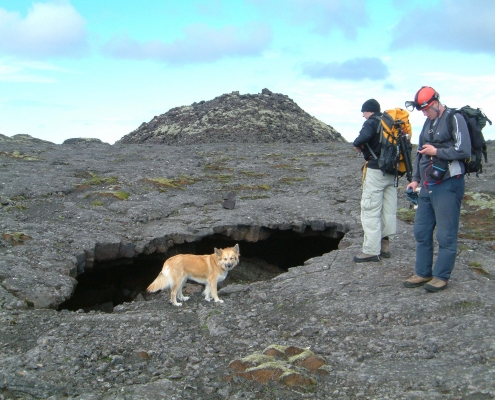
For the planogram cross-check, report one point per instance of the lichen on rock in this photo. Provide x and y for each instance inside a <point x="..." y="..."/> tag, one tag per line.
<point x="232" y="118"/>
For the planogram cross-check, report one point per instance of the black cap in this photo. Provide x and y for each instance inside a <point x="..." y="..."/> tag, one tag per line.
<point x="371" y="105"/>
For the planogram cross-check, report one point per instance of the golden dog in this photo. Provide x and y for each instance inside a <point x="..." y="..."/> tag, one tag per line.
<point x="206" y="269"/>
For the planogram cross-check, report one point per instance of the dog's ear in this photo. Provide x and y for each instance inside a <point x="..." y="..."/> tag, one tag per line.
<point x="218" y="252"/>
<point x="236" y="248"/>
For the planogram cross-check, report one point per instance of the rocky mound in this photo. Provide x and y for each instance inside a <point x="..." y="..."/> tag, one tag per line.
<point x="233" y="118"/>
<point x="22" y="139"/>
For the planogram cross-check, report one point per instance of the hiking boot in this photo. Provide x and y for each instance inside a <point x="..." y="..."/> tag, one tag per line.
<point x="362" y="257"/>
<point x="435" y="285"/>
<point x="415" y="281"/>
<point x="385" y="250"/>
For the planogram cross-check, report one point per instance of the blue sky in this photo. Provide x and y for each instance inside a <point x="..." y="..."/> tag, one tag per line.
<point x="88" y="68"/>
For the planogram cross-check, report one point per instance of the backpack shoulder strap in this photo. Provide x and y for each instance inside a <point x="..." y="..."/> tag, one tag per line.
<point x="378" y="118"/>
<point x="386" y="125"/>
<point x="450" y="119"/>
<point x="421" y="138"/>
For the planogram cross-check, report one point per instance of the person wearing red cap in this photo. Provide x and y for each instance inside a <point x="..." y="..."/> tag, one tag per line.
<point x="379" y="197"/>
<point x="439" y="169"/>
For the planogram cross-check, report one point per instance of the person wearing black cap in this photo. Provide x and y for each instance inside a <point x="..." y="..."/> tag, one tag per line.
<point x="379" y="197"/>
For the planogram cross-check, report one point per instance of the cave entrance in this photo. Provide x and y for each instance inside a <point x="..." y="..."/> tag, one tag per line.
<point x="109" y="284"/>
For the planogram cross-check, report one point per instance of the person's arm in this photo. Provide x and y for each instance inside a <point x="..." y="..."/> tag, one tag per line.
<point x="365" y="135"/>
<point x="416" y="177"/>
<point x="461" y="149"/>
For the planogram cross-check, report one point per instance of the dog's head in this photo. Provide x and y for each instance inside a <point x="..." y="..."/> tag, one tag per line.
<point x="228" y="258"/>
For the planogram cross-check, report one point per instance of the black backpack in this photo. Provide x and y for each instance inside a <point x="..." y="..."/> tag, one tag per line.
<point x="395" y="133"/>
<point x="476" y="121"/>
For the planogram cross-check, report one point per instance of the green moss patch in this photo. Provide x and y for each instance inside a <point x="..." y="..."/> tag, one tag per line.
<point x="16" y="238"/>
<point x="223" y="178"/>
<point x="255" y="197"/>
<point x="120" y="195"/>
<point x="163" y="184"/>
<point x="251" y="187"/>
<point x="478" y="216"/>
<point x="252" y="174"/>
<point x="20" y="156"/>
<point x="92" y="179"/>
<point x="289" y="167"/>
<point x="406" y="214"/>
<point x="289" y="180"/>
<point x="217" y="167"/>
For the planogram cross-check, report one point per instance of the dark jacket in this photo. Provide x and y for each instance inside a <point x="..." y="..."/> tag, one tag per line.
<point x="456" y="146"/>
<point x="369" y="135"/>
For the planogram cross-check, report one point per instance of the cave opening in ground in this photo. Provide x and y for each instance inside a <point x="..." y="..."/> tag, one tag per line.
<point x="109" y="284"/>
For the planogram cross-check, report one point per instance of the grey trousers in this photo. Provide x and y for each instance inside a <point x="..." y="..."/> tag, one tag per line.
<point x="378" y="209"/>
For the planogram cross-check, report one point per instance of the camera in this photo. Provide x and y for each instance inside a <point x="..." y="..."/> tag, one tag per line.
<point x="412" y="196"/>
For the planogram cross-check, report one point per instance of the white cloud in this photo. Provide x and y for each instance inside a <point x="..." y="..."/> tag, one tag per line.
<point x="324" y="16"/>
<point x="356" y="69"/>
<point x="462" y="25"/>
<point x="52" y="29"/>
<point x="14" y="70"/>
<point x="202" y="44"/>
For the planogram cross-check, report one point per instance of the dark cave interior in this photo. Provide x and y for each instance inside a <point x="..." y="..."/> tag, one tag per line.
<point x="109" y="284"/>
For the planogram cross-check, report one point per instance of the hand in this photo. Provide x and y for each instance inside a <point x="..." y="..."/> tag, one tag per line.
<point x="413" y="185"/>
<point x="428" y="150"/>
<point x="358" y="149"/>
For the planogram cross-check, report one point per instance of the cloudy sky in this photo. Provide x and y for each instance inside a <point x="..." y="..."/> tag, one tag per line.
<point x="88" y="68"/>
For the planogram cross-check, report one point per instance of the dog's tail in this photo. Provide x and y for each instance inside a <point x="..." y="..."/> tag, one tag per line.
<point x="161" y="282"/>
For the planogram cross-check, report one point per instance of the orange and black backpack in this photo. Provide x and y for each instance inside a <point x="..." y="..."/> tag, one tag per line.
<point x="395" y="137"/>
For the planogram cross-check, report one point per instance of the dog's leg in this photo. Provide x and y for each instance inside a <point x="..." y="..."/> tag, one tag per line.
<point x="207" y="292"/>
<point x="179" y="292"/>
<point x="177" y="288"/>
<point x="213" y="289"/>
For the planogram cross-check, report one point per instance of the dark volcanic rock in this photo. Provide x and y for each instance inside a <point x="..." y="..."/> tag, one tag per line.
<point x="233" y="118"/>
<point x="79" y="141"/>
<point x="70" y="209"/>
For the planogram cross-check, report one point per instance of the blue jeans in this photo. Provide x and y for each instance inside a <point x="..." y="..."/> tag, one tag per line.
<point x="438" y="206"/>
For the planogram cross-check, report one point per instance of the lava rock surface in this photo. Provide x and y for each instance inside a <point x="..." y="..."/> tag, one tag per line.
<point x="68" y="209"/>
